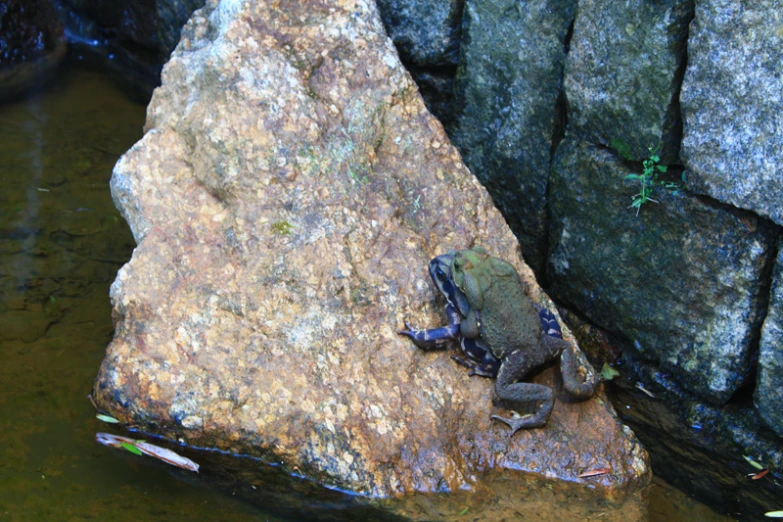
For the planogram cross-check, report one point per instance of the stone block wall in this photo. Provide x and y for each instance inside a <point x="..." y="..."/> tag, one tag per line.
<point x="556" y="103"/>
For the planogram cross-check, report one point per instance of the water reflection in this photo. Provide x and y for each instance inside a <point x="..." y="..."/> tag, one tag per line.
<point x="32" y="129"/>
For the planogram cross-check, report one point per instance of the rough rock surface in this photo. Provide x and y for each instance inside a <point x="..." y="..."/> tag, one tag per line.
<point x="286" y="197"/>
<point x="508" y="82"/>
<point x="769" y="384"/>
<point x="731" y="102"/>
<point x="426" y="33"/>
<point x="623" y="75"/>
<point x="683" y="279"/>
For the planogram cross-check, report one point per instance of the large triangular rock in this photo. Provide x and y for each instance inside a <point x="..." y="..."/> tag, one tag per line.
<point x="286" y="198"/>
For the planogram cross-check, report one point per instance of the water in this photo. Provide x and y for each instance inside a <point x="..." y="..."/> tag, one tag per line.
<point x="61" y="244"/>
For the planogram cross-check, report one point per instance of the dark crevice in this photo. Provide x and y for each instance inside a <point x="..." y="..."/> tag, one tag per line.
<point x="561" y="105"/>
<point x="436" y="86"/>
<point x="744" y="393"/>
<point x="558" y="134"/>
<point x="569" y="35"/>
<point x="743" y="396"/>
<point x="675" y="111"/>
<point x="434" y="70"/>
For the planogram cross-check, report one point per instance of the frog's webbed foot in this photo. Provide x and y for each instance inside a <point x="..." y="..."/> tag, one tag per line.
<point x="527" y="393"/>
<point x="522" y="422"/>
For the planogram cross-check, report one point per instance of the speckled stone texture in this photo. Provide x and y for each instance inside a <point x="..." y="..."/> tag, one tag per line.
<point x="732" y="97"/>
<point x="286" y="198"/>
<point x="683" y="280"/>
<point x="509" y="78"/>
<point x="623" y="75"/>
<point x="769" y="384"/>
<point x="425" y="32"/>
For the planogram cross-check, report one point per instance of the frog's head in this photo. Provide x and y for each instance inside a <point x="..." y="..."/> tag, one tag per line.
<point x="471" y="274"/>
<point x="441" y="274"/>
<point x="467" y="261"/>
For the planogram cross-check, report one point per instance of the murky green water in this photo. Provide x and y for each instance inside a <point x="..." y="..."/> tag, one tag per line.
<point x="61" y="244"/>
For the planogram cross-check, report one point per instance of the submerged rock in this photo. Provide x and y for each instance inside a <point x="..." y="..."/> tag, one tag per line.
<point x="731" y="103"/>
<point x="697" y="447"/>
<point x="700" y="448"/>
<point x="683" y="280"/>
<point x="132" y="39"/>
<point x="149" y="27"/>
<point x="286" y="198"/>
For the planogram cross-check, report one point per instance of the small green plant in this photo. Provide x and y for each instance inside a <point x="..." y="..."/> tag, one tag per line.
<point x="649" y="180"/>
<point x="282" y="228"/>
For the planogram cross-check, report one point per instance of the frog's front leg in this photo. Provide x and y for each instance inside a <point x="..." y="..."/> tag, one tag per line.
<point x="470" y="327"/>
<point x="435" y="337"/>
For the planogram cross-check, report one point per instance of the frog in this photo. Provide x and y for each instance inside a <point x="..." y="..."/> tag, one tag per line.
<point x="502" y="334"/>
<point x="480" y="358"/>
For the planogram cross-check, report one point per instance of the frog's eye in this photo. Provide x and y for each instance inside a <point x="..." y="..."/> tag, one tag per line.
<point x="441" y="274"/>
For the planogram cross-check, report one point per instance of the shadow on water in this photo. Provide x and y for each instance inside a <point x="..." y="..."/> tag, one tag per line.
<point x="61" y="244"/>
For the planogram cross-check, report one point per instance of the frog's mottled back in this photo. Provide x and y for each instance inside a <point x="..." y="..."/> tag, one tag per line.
<point x="507" y="319"/>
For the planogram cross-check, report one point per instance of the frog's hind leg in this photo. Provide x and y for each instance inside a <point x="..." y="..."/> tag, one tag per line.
<point x="579" y="378"/>
<point x="532" y="393"/>
<point x="549" y="322"/>
<point x="479" y="358"/>
<point x="514" y="394"/>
